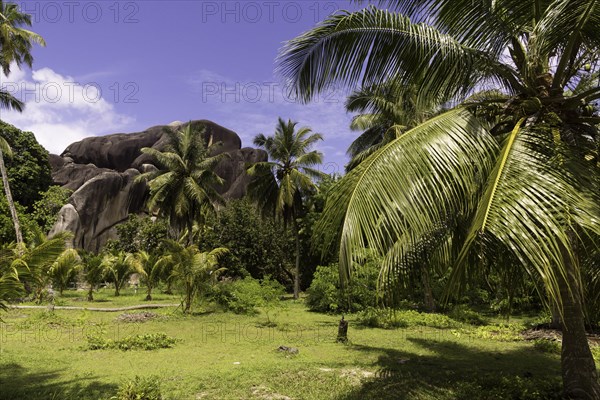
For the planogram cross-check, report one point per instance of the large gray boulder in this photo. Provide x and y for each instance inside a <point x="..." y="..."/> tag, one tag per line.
<point x="101" y="171"/>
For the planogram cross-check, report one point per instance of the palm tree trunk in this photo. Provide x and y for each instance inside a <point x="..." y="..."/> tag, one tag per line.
<point x="428" y="293"/>
<point x="580" y="378"/>
<point x="297" y="267"/>
<point x="149" y="293"/>
<point x="9" y="199"/>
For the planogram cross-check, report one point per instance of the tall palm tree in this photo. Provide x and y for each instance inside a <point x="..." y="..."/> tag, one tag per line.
<point x="385" y="112"/>
<point x="15" y="46"/>
<point x="185" y="185"/>
<point x="281" y="184"/>
<point x="192" y="268"/>
<point x="6" y="150"/>
<point x="516" y="166"/>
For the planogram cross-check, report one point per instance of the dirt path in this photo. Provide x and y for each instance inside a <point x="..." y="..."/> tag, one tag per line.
<point x="104" y="309"/>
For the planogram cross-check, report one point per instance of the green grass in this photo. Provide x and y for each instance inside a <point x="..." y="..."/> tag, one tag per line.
<point x="43" y="355"/>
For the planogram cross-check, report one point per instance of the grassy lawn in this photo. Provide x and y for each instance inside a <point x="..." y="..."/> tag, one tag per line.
<point x="220" y="355"/>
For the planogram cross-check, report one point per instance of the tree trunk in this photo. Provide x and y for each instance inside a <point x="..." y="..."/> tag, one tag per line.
<point x="9" y="199"/>
<point x="297" y="267"/>
<point x="90" y="296"/>
<point x="580" y="378"/>
<point x="149" y="294"/>
<point x="429" y="300"/>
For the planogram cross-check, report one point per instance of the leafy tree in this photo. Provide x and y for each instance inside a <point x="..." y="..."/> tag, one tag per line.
<point x="149" y="266"/>
<point x="45" y="210"/>
<point x="29" y="169"/>
<point x="184" y="187"/>
<point x="64" y="270"/>
<point x="280" y="185"/>
<point x="140" y="234"/>
<point x="259" y="246"/>
<point x="513" y="167"/>
<point x="193" y="268"/>
<point x="117" y="267"/>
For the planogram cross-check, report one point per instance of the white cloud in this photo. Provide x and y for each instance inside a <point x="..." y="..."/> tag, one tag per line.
<point x="59" y="111"/>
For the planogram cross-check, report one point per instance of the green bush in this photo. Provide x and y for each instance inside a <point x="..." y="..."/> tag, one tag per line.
<point x="150" y="341"/>
<point x="140" y="388"/>
<point x="326" y="295"/>
<point x="244" y="296"/>
<point x="388" y="319"/>
<point x="462" y="313"/>
<point x="547" y="346"/>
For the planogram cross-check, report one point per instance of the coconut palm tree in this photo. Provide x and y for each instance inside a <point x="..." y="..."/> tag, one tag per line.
<point x="515" y="165"/>
<point x="385" y="112"/>
<point x="192" y="268"/>
<point x="150" y="267"/>
<point x="15" y="47"/>
<point x="94" y="272"/>
<point x="280" y="185"/>
<point x="118" y="268"/>
<point x="6" y="150"/>
<point x="64" y="269"/>
<point x="185" y="185"/>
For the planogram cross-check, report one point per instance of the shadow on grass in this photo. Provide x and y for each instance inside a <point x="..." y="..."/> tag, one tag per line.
<point x="17" y="383"/>
<point x="458" y="371"/>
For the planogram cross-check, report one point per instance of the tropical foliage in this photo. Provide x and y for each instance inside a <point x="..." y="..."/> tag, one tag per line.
<point x="184" y="188"/>
<point x="280" y="185"/>
<point x="514" y="166"/>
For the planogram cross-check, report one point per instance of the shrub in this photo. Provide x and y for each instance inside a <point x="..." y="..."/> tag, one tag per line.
<point x="462" y="313"/>
<point x="244" y="296"/>
<point x="547" y="346"/>
<point x="150" y="341"/>
<point x="326" y="295"/>
<point x="387" y="319"/>
<point x="139" y="388"/>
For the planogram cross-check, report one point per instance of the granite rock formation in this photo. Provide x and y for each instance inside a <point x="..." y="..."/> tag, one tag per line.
<point x="101" y="170"/>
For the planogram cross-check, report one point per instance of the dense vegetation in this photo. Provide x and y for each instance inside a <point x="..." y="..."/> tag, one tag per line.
<point x="461" y="209"/>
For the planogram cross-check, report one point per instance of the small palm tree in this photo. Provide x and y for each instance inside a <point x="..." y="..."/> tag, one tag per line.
<point x="150" y="267"/>
<point x="192" y="268"/>
<point x="280" y="185"/>
<point x="64" y="269"/>
<point x="185" y="185"/>
<point x="117" y="267"/>
<point x="94" y="273"/>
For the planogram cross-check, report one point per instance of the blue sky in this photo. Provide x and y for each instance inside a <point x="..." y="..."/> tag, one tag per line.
<point x="123" y="66"/>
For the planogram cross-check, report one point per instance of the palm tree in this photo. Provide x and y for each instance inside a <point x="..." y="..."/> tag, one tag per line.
<point x="5" y="149"/>
<point x="32" y="263"/>
<point x="15" y="42"/>
<point x="515" y="166"/>
<point x="192" y="268"/>
<point x="15" y="46"/>
<point x="280" y="184"/>
<point x="385" y="112"/>
<point x="184" y="186"/>
<point x="150" y="267"/>
<point x="118" y="268"/>
<point x="93" y="272"/>
<point x="64" y="269"/>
